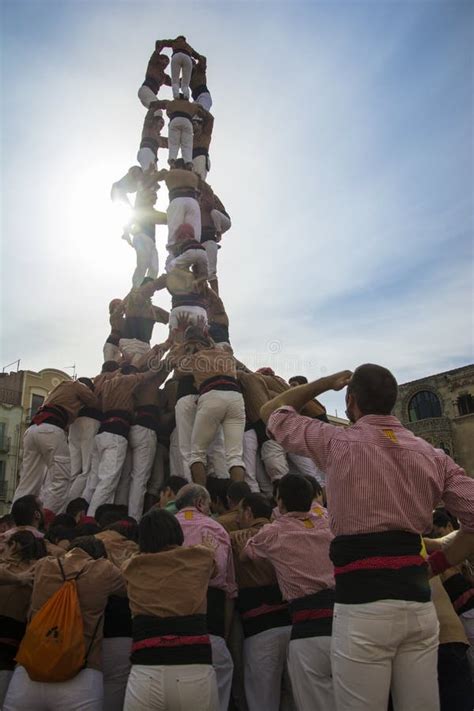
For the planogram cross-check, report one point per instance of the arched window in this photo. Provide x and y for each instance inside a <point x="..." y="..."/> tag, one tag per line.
<point x="423" y="405"/>
<point x="465" y="404"/>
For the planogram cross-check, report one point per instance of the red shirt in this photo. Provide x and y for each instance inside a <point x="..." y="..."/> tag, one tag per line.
<point x="297" y="545"/>
<point x="380" y="477"/>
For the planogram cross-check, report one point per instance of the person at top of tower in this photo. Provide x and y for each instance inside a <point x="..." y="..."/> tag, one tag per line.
<point x="198" y="84"/>
<point x="155" y="77"/>
<point x="151" y="139"/>
<point x="181" y="63"/>
<point x="143" y="228"/>
<point x="202" y="125"/>
<point x="180" y="130"/>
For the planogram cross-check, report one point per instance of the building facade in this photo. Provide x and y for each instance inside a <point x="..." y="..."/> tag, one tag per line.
<point x="440" y="408"/>
<point x="21" y="394"/>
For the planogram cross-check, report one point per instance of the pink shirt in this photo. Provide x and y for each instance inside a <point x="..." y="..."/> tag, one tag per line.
<point x="194" y="525"/>
<point x="380" y="477"/>
<point x="297" y="545"/>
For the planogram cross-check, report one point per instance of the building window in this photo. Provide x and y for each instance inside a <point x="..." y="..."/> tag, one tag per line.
<point x="3" y="482"/>
<point x="465" y="404"/>
<point x="423" y="405"/>
<point x="36" y="402"/>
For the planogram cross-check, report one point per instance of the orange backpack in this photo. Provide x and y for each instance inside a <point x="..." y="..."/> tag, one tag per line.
<point x="53" y="647"/>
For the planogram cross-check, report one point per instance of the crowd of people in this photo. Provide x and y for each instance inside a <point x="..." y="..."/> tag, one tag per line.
<point x="187" y="533"/>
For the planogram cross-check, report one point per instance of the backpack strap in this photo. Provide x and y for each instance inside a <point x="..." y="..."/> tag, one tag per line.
<point x="63" y="573"/>
<point x="92" y="640"/>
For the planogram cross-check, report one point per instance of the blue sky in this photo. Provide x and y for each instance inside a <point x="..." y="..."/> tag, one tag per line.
<point x="343" y="150"/>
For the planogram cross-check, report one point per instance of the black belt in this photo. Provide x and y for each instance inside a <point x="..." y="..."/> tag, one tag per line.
<point x="182" y="192"/>
<point x="150" y="143"/>
<point x="199" y="151"/>
<point x="152" y="84"/>
<point x="180" y="114"/>
<point x="208" y="234"/>
<point x="201" y="89"/>
<point x="181" y="51"/>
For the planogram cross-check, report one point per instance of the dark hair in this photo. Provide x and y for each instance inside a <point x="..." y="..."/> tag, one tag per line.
<point x="295" y="492"/>
<point x="259" y="505"/>
<point x="128" y="528"/>
<point x="110" y="366"/>
<point x="30" y="547"/>
<point x="110" y="517"/>
<point x="91" y="545"/>
<point x="24" y="509"/>
<point x="315" y="485"/>
<point x="218" y="489"/>
<point x="157" y="530"/>
<point x="441" y="517"/>
<point x="179" y="163"/>
<point x="76" y="506"/>
<point x="300" y="379"/>
<point x="128" y="369"/>
<point x="175" y="483"/>
<point x="60" y="533"/>
<point x="7" y="519"/>
<point x="86" y="381"/>
<point x="87" y="529"/>
<point x="237" y="490"/>
<point x="374" y="388"/>
<point x="106" y="508"/>
<point x="63" y="519"/>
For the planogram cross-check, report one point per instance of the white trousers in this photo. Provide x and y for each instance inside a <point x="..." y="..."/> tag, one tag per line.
<point x="264" y="481"/>
<point x="211" y="248"/>
<point x="264" y="665"/>
<point x="46" y="467"/>
<point x="158" y="470"/>
<point x="93" y="478"/>
<point x="185" y="413"/>
<point x="112" y="450"/>
<point x="177" y="467"/>
<point x="205" y="100"/>
<point x="195" y="315"/>
<point x="250" y="455"/>
<point x="142" y="445"/>
<point x="147" y="259"/>
<point x="181" y="66"/>
<point x="147" y="158"/>
<point x="115" y="668"/>
<point x="82" y="433"/>
<point x="382" y="646"/>
<point x="201" y="166"/>
<point x="224" y="669"/>
<point x="215" y="408"/>
<point x="111" y="352"/>
<point x="183" y="210"/>
<point x="179" y="687"/>
<point x="180" y="135"/>
<point x="196" y="257"/>
<point x="146" y="96"/>
<point x="274" y="459"/>
<point x="5" y="676"/>
<point x="133" y="349"/>
<point x="82" y="693"/>
<point x="309" y="664"/>
<point x="221" y="222"/>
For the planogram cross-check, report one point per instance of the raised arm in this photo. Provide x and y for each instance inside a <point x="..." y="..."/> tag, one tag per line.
<point x="299" y="396"/>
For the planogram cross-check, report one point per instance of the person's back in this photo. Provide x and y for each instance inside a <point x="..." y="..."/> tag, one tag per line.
<point x="382" y="485"/>
<point x="96" y="578"/>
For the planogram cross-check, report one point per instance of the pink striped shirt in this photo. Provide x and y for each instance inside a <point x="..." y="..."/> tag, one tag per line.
<point x="194" y="525"/>
<point x="380" y="477"/>
<point x="297" y="545"/>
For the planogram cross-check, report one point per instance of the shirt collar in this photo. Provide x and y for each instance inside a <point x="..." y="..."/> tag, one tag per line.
<point x="379" y="421"/>
<point x="301" y="515"/>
